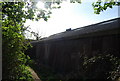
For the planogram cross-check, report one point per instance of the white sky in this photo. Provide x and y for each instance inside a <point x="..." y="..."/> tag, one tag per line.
<point x="71" y="15"/>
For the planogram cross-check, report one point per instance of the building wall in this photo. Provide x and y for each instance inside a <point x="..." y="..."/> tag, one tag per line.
<point x="65" y="55"/>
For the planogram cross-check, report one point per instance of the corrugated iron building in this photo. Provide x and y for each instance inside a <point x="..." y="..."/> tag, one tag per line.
<point x="63" y="51"/>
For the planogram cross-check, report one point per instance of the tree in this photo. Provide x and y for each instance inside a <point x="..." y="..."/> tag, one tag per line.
<point x="100" y="6"/>
<point x="14" y="15"/>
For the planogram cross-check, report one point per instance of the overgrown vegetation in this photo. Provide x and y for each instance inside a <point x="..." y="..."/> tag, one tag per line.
<point x="14" y="43"/>
<point x="100" y="67"/>
<point x="45" y="73"/>
<point x="14" y="15"/>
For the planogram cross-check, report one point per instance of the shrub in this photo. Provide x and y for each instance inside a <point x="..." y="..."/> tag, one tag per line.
<point x="14" y="44"/>
<point x="102" y="66"/>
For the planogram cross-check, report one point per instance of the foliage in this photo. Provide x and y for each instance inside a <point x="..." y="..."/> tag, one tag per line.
<point x="100" y="6"/>
<point x="14" y="15"/>
<point x="45" y="73"/>
<point x="100" y="66"/>
<point x="115" y="74"/>
<point x="13" y="42"/>
<point x="38" y="37"/>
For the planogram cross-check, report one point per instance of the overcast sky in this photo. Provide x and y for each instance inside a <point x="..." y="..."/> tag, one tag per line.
<point x="71" y="15"/>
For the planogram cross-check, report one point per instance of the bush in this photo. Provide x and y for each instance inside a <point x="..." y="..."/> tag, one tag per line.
<point x="13" y="44"/>
<point x="101" y="66"/>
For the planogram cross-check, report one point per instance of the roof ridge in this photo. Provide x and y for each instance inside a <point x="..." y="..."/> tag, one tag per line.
<point x="97" y="23"/>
